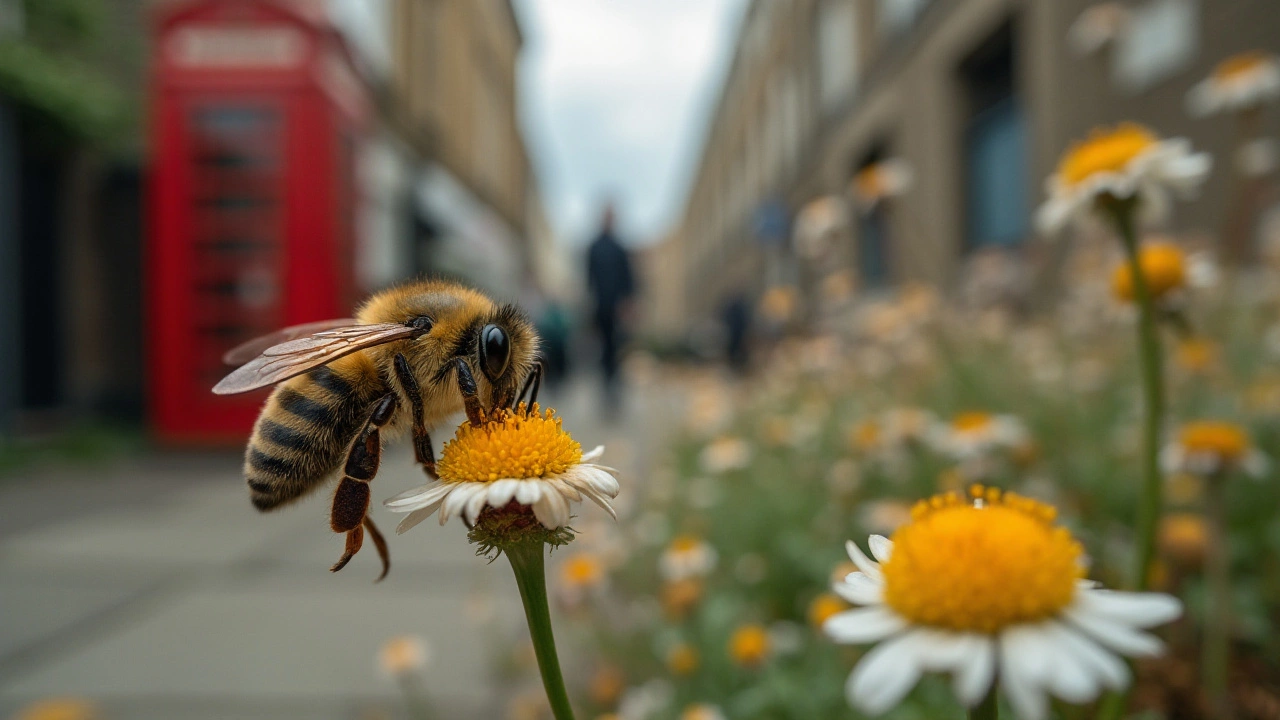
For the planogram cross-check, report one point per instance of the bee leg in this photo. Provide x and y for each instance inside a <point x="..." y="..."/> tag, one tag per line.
<point x="422" y="449"/>
<point x="351" y="502"/>
<point x="379" y="543"/>
<point x="531" y="386"/>
<point x="470" y="393"/>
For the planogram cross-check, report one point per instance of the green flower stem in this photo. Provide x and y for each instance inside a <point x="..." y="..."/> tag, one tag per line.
<point x="1216" y="657"/>
<point x="527" y="562"/>
<point x="1152" y="365"/>
<point x="989" y="708"/>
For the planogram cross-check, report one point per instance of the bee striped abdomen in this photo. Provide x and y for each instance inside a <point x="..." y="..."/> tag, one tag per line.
<point x="304" y="431"/>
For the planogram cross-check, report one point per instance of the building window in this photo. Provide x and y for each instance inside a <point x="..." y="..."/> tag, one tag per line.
<point x="837" y="51"/>
<point x="995" y="144"/>
<point x="1162" y="39"/>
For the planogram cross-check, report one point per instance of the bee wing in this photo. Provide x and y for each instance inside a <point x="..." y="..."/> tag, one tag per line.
<point x="247" y="351"/>
<point x="283" y="361"/>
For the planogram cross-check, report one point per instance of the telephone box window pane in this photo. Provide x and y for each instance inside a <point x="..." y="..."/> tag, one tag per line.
<point x="237" y="260"/>
<point x="997" y="182"/>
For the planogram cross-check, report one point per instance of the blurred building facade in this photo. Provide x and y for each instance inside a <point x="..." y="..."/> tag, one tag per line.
<point x="444" y="181"/>
<point x="978" y="97"/>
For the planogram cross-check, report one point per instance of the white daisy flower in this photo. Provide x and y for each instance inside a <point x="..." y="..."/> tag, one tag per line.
<point x="1209" y="447"/>
<point x="972" y="435"/>
<point x="687" y="557"/>
<point x="989" y="590"/>
<point x="525" y="458"/>
<point x="1123" y="162"/>
<point x="1241" y="82"/>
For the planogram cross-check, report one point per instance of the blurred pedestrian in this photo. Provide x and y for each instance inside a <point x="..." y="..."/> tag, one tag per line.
<point x="612" y="287"/>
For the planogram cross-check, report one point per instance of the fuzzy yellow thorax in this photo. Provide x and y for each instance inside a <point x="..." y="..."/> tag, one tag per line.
<point x="981" y="564"/>
<point x="1107" y="150"/>
<point x="525" y="443"/>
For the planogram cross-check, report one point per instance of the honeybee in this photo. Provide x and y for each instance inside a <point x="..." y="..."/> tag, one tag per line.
<point x="412" y="356"/>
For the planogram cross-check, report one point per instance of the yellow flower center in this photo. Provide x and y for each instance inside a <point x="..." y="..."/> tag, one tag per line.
<point x="582" y="569"/>
<point x="1197" y="354"/>
<point x="971" y="421"/>
<point x="510" y="444"/>
<point x="1226" y="440"/>
<point x="824" y="607"/>
<point x="1237" y="66"/>
<point x="1105" y="151"/>
<point x="983" y="566"/>
<point x="685" y="544"/>
<point x="866" y="435"/>
<point x="868" y="183"/>
<point x="749" y="645"/>
<point x="1164" y="267"/>
<point x="682" y="660"/>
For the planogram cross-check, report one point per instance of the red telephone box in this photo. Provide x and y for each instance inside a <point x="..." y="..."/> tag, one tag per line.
<point x="257" y="117"/>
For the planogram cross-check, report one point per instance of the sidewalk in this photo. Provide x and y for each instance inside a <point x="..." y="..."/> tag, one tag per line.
<point x="155" y="590"/>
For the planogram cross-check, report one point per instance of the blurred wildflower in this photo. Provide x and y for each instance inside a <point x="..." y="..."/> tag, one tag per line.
<point x="1164" y="266"/>
<point x="880" y="181"/>
<point x="825" y="606"/>
<point x="972" y="435"/>
<point x="724" y="454"/>
<point x="1209" y="447"/>
<point x="702" y="711"/>
<point x="1127" y="161"/>
<point x="687" y="557"/>
<point x="865" y="437"/>
<point x="682" y="659"/>
<point x="59" y="709"/>
<point x="1183" y="537"/>
<point x="843" y="477"/>
<point x="749" y="645"/>
<point x="779" y="303"/>
<point x="989" y="587"/>
<point x="580" y="574"/>
<point x="1097" y="27"/>
<point x="884" y="516"/>
<point x="1241" y="82"/>
<point x="1196" y="355"/>
<point x="681" y="596"/>
<point x="528" y="704"/>
<point x="645" y="701"/>
<point x="817" y="224"/>
<point x="526" y="458"/>
<point x="607" y="684"/>
<point x="403" y="655"/>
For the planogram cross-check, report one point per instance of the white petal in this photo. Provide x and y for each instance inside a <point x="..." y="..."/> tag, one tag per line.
<point x="1103" y="665"/>
<point x="418" y="497"/>
<point x="864" y="563"/>
<point x="600" y="500"/>
<point x="566" y="490"/>
<point x="475" y="505"/>
<point x="1142" y="610"/>
<point x="455" y="501"/>
<point x="502" y="491"/>
<point x="596" y="453"/>
<point x="1023" y="664"/>
<point x="859" y="589"/>
<point x="528" y="492"/>
<point x="1113" y="633"/>
<point x="886" y="674"/>
<point x="596" y="478"/>
<point x="881" y="547"/>
<point x="863" y="625"/>
<point x="417" y="516"/>
<point x="1072" y="677"/>
<point x="972" y="679"/>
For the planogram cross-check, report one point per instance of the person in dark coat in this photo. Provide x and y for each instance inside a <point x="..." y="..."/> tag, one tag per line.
<point x="612" y="287"/>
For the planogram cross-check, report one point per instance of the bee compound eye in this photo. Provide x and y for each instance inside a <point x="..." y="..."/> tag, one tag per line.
<point x="495" y="351"/>
<point x="422" y="322"/>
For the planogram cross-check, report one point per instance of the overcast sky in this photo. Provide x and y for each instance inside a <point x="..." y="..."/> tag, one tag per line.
<point x="615" y="100"/>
